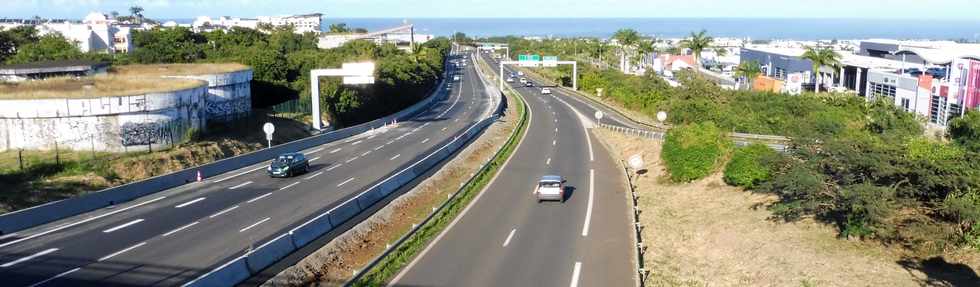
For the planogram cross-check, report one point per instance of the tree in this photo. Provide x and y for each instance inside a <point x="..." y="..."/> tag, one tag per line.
<point x="114" y="14"/>
<point x="339" y="28"/>
<point x="821" y="57"/>
<point x="644" y="49"/>
<point x="698" y="42"/>
<point x="965" y="130"/>
<point x="627" y="39"/>
<point x="137" y="12"/>
<point x="48" y="48"/>
<point x="748" y="70"/>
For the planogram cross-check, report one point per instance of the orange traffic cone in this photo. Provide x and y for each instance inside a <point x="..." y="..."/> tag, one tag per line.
<point x="199" y="177"/>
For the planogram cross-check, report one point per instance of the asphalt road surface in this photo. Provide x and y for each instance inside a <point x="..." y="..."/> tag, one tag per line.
<point x="506" y="238"/>
<point x="174" y="236"/>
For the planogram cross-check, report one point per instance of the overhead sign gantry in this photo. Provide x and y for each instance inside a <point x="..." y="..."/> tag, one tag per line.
<point x="531" y="61"/>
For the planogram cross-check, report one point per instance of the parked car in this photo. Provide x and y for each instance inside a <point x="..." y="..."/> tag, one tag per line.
<point x="546" y="91"/>
<point x="289" y="164"/>
<point x="550" y="187"/>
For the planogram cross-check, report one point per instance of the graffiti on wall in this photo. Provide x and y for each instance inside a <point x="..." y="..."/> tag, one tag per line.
<point x="139" y="133"/>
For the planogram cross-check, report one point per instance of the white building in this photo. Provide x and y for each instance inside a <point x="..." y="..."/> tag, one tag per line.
<point x="301" y="23"/>
<point x="402" y="36"/>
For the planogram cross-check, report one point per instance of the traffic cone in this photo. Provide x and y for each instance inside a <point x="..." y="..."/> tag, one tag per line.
<point x="199" y="177"/>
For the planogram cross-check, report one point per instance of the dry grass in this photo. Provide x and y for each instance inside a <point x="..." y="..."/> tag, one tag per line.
<point x="176" y="69"/>
<point x="706" y="233"/>
<point x="91" y="87"/>
<point x="334" y="263"/>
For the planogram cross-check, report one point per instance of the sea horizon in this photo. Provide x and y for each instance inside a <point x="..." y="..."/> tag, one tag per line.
<point x="675" y="27"/>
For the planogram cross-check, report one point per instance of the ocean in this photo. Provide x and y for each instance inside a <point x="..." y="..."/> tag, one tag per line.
<point x="754" y="28"/>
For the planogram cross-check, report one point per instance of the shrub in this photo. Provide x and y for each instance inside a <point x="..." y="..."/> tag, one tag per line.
<point x="748" y="167"/>
<point x="693" y="151"/>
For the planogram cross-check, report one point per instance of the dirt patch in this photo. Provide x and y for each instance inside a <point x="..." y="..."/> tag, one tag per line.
<point x="335" y="263"/>
<point x="708" y="233"/>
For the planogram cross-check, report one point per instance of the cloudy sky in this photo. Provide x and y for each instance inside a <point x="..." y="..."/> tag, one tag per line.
<point x="170" y="9"/>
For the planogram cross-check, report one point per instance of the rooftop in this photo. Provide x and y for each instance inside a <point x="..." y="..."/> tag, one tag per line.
<point x="177" y="69"/>
<point x="63" y="66"/>
<point x="847" y="58"/>
<point x="91" y="87"/>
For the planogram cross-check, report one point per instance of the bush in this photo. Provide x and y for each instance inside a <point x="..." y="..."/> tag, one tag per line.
<point x="748" y="166"/>
<point x="693" y="151"/>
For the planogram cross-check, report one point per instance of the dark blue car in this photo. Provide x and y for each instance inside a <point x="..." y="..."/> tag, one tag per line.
<point x="289" y="164"/>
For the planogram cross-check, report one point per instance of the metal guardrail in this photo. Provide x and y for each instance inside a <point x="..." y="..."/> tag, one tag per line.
<point x="449" y="200"/>
<point x="641" y="249"/>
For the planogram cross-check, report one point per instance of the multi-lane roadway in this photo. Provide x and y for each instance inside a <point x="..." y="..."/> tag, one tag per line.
<point x="174" y="236"/>
<point x="506" y="238"/>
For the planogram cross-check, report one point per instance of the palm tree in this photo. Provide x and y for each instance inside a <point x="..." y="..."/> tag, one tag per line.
<point x="698" y="42"/>
<point x="748" y="70"/>
<point x="643" y="49"/>
<point x="627" y="38"/>
<point x="821" y="57"/>
<point x="137" y="12"/>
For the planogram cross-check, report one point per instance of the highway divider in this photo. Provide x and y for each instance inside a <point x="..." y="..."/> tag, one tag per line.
<point x="393" y="259"/>
<point x="38" y="215"/>
<point x="275" y="249"/>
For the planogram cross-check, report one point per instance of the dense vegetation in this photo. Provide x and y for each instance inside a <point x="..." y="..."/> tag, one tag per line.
<point x="281" y="61"/>
<point x="864" y="167"/>
<point x="694" y="151"/>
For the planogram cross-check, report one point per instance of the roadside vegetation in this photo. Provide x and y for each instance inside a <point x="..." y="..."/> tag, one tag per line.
<point x="863" y="167"/>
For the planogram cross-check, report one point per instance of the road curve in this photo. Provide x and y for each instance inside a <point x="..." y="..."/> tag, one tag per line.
<point x="506" y="238"/>
<point x="174" y="236"/>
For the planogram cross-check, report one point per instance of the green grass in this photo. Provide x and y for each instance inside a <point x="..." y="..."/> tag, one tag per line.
<point x="403" y="254"/>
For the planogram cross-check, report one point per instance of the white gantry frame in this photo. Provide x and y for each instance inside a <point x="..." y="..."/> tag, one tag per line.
<point x="541" y="63"/>
<point x="353" y="73"/>
<point x="495" y="48"/>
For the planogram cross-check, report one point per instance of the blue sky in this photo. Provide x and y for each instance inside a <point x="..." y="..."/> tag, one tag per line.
<point x="905" y="9"/>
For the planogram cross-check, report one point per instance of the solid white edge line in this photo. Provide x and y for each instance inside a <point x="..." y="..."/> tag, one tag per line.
<point x="394" y="157"/>
<point x="62" y="227"/>
<point x="575" y="274"/>
<point x="122" y="251"/>
<point x="223" y="211"/>
<point x="189" y="202"/>
<point x="180" y="228"/>
<point x="254" y="224"/>
<point x="588" y="209"/>
<point x="240" y="174"/>
<point x="345" y="182"/>
<point x="124" y="225"/>
<point x="509" y="237"/>
<point x="9" y="236"/>
<point x="288" y="186"/>
<point x="26" y="258"/>
<point x="476" y="199"/>
<point x="259" y="197"/>
<point x="62" y="274"/>
<point x="240" y="185"/>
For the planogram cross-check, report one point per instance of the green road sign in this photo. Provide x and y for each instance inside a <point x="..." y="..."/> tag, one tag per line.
<point x="535" y="58"/>
<point x="551" y="58"/>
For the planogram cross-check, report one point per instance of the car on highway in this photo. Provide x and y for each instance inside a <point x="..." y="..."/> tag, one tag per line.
<point x="550" y="187"/>
<point x="456" y="78"/>
<point x="289" y="164"/>
<point x="523" y="80"/>
<point x="545" y="91"/>
<point x="529" y="84"/>
<point x="510" y="80"/>
<point x="519" y="73"/>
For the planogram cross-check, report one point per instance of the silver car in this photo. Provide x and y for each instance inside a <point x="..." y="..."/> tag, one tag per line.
<point x="550" y="187"/>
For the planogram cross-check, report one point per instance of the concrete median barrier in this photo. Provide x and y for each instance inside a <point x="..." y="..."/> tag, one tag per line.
<point x="344" y="212"/>
<point x="311" y="230"/>
<point x="235" y="270"/>
<point x="369" y="198"/>
<point x="269" y="253"/>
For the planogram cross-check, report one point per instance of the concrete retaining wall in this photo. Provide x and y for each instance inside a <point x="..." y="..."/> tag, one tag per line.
<point x="122" y="123"/>
<point x="229" y="94"/>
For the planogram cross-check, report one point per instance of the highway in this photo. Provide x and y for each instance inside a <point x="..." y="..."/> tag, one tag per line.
<point x="176" y="235"/>
<point x="506" y="238"/>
